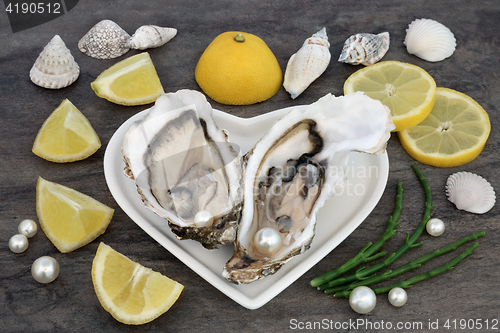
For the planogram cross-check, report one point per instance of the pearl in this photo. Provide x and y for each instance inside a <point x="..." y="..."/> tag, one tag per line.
<point x="267" y="240"/>
<point x="18" y="243"/>
<point x="362" y="299"/>
<point x="435" y="227"/>
<point x="45" y="269"/>
<point x="203" y="219"/>
<point x="397" y="296"/>
<point x="27" y="228"/>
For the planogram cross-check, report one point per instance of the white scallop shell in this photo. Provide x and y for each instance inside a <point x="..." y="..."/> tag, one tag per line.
<point x="105" y="40"/>
<point x="305" y="66"/>
<point x="470" y="192"/>
<point x="364" y="48"/>
<point x="55" y="67"/>
<point x="149" y="36"/>
<point x="429" y="40"/>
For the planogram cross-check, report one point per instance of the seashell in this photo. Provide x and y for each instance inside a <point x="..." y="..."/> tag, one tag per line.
<point x="429" y="40"/>
<point x="364" y="48"/>
<point x="55" y="67"/>
<point x="105" y="40"/>
<point x="305" y="66"/>
<point x="470" y="192"/>
<point x="149" y="36"/>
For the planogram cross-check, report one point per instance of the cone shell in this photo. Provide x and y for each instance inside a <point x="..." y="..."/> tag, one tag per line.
<point x="429" y="40"/>
<point x="106" y="40"/>
<point x="470" y="192"/>
<point x="55" y="67"/>
<point x="364" y="48"/>
<point x="150" y="36"/>
<point x="305" y="66"/>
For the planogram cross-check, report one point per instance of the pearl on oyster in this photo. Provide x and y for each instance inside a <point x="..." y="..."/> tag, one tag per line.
<point x="203" y="219"/>
<point x="27" y="228"/>
<point x="18" y="243"/>
<point x="435" y="227"/>
<point x="45" y="269"/>
<point x="397" y="296"/>
<point x="362" y="299"/>
<point x="267" y="240"/>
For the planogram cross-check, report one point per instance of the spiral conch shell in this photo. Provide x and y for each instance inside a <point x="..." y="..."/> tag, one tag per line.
<point x="105" y="40"/>
<point x="55" y="67"/>
<point x="305" y="66"/>
<point x="365" y="49"/>
<point x="150" y="36"/>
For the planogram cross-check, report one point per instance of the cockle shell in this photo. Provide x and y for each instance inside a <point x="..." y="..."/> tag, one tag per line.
<point x="105" y="40"/>
<point x="55" y="67"/>
<point x="470" y="192"/>
<point x="364" y="48"/>
<point x="429" y="40"/>
<point x="150" y="36"/>
<point x="305" y="66"/>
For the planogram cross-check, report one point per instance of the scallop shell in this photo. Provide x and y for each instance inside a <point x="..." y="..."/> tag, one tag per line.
<point x="470" y="192"/>
<point x="429" y="40"/>
<point x="149" y="36"/>
<point x="105" y="40"/>
<point x="55" y="67"/>
<point x="364" y="48"/>
<point x="305" y="66"/>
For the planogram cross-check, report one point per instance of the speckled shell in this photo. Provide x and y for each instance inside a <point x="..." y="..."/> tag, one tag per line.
<point x="55" y="67"/>
<point x="106" y="40"/>
<point x="305" y="66"/>
<point x="364" y="48"/>
<point x="150" y="36"/>
<point x="429" y="40"/>
<point x="470" y="192"/>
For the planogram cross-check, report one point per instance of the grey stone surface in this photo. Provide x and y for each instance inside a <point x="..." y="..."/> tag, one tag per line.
<point x="470" y="291"/>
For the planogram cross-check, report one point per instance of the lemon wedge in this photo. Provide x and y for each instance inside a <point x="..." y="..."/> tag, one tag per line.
<point x="407" y="90"/>
<point x="132" y="81"/>
<point x="66" y="136"/>
<point x="453" y="134"/>
<point x="130" y="292"/>
<point x="70" y="219"/>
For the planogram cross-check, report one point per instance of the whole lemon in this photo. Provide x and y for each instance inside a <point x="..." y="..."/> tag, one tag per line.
<point x="238" y="68"/>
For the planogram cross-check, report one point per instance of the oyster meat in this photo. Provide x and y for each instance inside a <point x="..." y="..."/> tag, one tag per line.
<point x="292" y="170"/>
<point x="185" y="169"/>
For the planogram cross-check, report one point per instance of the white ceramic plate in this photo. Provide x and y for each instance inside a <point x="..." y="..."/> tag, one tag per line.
<point x="339" y="217"/>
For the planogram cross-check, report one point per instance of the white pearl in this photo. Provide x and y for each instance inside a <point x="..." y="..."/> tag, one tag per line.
<point x="362" y="299"/>
<point x="45" y="269"/>
<point x="203" y="219"/>
<point x="397" y="296"/>
<point x="435" y="227"/>
<point x="18" y="243"/>
<point x="267" y="240"/>
<point x="27" y="228"/>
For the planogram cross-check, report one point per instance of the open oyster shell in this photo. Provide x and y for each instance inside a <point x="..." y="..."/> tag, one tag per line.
<point x="293" y="169"/>
<point x="184" y="168"/>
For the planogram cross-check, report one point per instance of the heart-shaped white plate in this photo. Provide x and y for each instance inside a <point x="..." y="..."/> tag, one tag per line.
<point x="340" y="216"/>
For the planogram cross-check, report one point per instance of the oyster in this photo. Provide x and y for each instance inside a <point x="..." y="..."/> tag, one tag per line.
<point x="185" y="170"/>
<point x="292" y="170"/>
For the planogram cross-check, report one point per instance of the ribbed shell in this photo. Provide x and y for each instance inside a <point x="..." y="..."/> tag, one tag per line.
<point x="470" y="192"/>
<point x="55" y="67"/>
<point x="150" y="36"/>
<point x="365" y="48"/>
<point x="105" y="40"/>
<point x="429" y="40"/>
<point x="305" y="66"/>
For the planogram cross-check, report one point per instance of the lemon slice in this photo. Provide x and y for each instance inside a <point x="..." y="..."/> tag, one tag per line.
<point x="132" y="81"/>
<point x="70" y="219"/>
<point x="406" y="89"/>
<point x="131" y="293"/>
<point x="66" y="136"/>
<point x="453" y="134"/>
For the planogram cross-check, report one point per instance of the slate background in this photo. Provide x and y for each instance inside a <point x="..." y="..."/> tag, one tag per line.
<point x="470" y="291"/>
